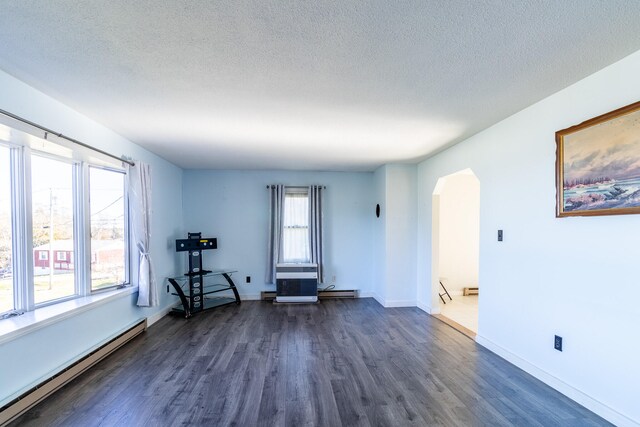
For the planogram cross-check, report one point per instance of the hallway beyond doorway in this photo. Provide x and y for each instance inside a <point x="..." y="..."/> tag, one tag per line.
<point x="462" y="310"/>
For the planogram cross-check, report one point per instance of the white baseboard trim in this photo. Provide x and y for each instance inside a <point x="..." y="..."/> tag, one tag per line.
<point x="424" y="307"/>
<point x="393" y="303"/>
<point x="250" y="297"/>
<point x="377" y="297"/>
<point x="159" y="314"/>
<point x="366" y="294"/>
<point x="583" y="399"/>
<point x="399" y="303"/>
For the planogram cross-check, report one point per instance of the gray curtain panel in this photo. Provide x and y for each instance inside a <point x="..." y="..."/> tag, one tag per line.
<point x="315" y="228"/>
<point x="274" y="253"/>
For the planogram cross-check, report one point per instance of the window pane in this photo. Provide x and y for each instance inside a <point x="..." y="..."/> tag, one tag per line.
<point x="106" y="196"/>
<point x="295" y="234"/>
<point x="52" y="196"/>
<point x="6" y="279"/>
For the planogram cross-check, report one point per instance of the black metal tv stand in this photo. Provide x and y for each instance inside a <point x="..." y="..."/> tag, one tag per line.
<point x="196" y="295"/>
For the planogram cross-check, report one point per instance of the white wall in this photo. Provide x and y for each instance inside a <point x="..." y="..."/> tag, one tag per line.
<point x="233" y="206"/>
<point x="574" y="277"/>
<point x="459" y="232"/>
<point x="395" y="238"/>
<point x="27" y="359"/>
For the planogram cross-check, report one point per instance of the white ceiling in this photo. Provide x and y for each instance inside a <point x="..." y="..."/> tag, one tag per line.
<point x="316" y="85"/>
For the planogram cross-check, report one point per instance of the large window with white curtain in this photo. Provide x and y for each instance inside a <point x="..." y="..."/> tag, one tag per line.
<point x="295" y="229"/>
<point x="63" y="224"/>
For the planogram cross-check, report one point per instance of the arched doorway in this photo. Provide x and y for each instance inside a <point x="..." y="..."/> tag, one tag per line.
<point x="455" y="250"/>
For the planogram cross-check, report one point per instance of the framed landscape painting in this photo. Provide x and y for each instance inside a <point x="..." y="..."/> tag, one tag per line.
<point x="598" y="165"/>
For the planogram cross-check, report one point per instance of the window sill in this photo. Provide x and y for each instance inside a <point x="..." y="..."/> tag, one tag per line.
<point x="30" y="321"/>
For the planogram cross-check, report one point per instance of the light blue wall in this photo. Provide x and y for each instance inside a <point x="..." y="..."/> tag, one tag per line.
<point x="30" y="357"/>
<point x="380" y="236"/>
<point x="575" y="277"/>
<point x="401" y="235"/>
<point x="394" y="233"/>
<point x="234" y="207"/>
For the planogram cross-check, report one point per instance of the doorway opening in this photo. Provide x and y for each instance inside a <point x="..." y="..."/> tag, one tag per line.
<point x="456" y="251"/>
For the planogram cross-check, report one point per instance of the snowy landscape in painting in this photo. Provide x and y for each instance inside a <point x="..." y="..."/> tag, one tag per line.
<point x="601" y="167"/>
<point x="603" y="195"/>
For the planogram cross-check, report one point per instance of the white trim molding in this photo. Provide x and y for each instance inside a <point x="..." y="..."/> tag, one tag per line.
<point x="427" y="309"/>
<point x="571" y="392"/>
<point x="160" y="314"/>
<point x="399" y="303"/>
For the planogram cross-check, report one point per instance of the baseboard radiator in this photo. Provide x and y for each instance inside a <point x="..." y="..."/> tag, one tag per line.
<point x="340" y="293"/>
<point x="32" y="397"/>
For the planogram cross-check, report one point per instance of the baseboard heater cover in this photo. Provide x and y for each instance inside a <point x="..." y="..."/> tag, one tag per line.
<point x="35" y="395"/>
<point x="340" y="293"/>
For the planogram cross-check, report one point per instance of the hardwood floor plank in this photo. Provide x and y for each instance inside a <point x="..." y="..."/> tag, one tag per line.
<point x="337" y="363"/>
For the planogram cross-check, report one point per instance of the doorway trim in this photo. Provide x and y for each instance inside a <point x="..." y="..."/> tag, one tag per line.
<point x="435" y="252"/>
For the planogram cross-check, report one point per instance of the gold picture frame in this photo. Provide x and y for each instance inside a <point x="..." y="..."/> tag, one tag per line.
<point x="598" y="165"/>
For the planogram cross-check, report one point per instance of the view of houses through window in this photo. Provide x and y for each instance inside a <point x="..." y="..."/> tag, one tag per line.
<point x="69" y="240"/>
<point x="6" y="268"/>
<point x="106" y="198"/>
<point x="52" y="207"/>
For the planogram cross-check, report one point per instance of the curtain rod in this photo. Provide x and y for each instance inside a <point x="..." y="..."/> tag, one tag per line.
<point x="59" y="135"/>
<point x="324" y="187"/>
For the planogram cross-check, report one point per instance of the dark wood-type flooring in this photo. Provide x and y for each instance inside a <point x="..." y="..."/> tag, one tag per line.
<point x="341" y="362"/>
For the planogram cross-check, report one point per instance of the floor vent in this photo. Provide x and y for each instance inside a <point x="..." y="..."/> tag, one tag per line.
<point x="340" y="293"/>
<point x="30" y="398"/>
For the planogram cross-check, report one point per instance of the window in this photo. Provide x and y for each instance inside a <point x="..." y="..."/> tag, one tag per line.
<point x="63" y="224"/>
<point x="6" y="258"/>
<point x="108" y="231"/>
<point x="295" y="232"/>
<point x="52" y="218"/>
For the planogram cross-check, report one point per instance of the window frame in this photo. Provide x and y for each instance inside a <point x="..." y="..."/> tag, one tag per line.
<point x="20" y="153"/>
<point x="127" y="236"/>
<point x="299" y="190"/>
<point x="77" y="286"/>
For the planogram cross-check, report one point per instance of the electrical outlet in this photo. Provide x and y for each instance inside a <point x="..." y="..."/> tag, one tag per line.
<point x="557" y="343"/>
<point x="248" y="279"/>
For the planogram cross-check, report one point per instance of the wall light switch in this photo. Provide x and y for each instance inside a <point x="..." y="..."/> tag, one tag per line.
<point x="499" y="235"/>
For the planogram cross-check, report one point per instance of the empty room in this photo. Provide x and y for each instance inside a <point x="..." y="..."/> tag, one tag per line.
<point x="332" y="213"/>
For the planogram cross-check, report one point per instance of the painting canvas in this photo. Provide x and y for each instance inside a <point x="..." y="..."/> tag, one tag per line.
<point x="598" y="165"/>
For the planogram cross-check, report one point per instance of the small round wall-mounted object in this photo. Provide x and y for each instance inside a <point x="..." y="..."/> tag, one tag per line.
<point x="378" y="210"/>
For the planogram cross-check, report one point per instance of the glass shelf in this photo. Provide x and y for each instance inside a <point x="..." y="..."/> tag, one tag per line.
<point x="185" y="277"/>
<point x="194" y="297"/>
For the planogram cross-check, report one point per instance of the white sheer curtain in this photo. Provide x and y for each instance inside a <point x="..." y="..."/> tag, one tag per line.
<point x="139" y="178"/>
<point x="295" y="232"/>
<point x="274" y="252"/>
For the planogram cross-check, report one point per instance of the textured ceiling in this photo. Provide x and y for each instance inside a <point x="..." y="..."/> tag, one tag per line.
<point x="318" y="85"/>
